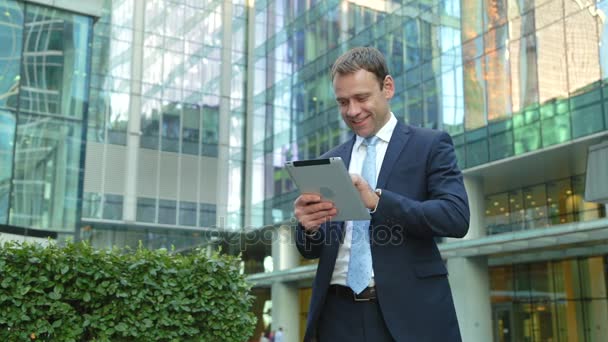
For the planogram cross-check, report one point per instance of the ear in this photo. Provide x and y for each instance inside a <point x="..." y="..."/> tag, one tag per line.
<point x="388" y="87"/>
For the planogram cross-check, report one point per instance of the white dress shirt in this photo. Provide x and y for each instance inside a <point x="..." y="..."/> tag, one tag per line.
<point x="356" y="164"/>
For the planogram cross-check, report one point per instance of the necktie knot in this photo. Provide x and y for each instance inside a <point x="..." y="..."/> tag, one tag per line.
<point x="371" y="141"/>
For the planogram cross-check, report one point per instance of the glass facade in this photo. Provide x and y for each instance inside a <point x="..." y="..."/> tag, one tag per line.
<point x="561" y="300"/>
<point x="191" y="117"/>
<point x="542" y="205"/>
<point x="44" y="93"/>
<point x="502" y="77"/>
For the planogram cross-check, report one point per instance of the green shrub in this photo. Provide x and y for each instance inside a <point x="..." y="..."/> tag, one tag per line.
<point x="77" y="293"/>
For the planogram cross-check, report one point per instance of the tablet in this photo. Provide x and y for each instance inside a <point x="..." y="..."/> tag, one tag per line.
<point x="330" y="179"/>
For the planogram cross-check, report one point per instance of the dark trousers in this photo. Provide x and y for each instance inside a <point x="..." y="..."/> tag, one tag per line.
<point x="343" y="319"/>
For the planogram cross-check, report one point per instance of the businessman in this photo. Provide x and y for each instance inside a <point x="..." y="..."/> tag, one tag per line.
<point x="383" y="279"/>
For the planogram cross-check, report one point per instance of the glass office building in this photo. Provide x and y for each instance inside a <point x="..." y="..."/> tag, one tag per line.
<point x="168" y="122"/>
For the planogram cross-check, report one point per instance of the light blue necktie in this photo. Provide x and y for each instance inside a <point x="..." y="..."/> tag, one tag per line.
<point x="360" y="264"/>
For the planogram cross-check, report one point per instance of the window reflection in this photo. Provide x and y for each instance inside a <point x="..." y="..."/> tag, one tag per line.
<point x="150" y="122"/>
<point x="555" y="301"/>
<point x="7" y="136"/>
<point x="53" y="83"/>
<point x="602" y="7"/>
<point x="11" y="38"/>
<point x="46" y="172"/>
<point x="556" y="202"/>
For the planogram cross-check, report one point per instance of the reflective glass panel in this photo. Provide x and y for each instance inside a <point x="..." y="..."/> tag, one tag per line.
<point x="497" y="214"/>
<point x="560" y="202"/>
<point x="146" y="209"/>
<point x="187" y="213"/>
<point x="191" y="129"/>
<point x="55" y="66"/>
<point x="7" y="138"/>
<point x="11" y="37"/>
<point x="46" y="173"/>
<point x="536" y="206"/>
<point x="603" y="38"/>
<point x="171" y="126"/>
<point x="112" y="207"/>
<point x="166" y="211"/>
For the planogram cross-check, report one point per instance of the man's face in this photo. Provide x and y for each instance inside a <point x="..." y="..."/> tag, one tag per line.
<point x="363" y="105"/>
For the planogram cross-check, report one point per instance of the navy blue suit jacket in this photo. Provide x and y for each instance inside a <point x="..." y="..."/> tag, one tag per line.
<point x="423" y="197"/>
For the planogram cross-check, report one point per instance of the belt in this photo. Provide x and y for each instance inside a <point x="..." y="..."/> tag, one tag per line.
<point x="369" y="294"/>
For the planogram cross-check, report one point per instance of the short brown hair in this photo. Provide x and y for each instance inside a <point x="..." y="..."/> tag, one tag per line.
<point x="366" y="58"/>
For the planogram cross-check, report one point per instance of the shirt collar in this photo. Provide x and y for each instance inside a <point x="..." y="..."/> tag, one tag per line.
<point x="384" y="134"/>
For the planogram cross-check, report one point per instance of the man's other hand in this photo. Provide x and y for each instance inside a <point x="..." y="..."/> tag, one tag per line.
<point x="368" y="195"/>
<point x="311" y="211"/>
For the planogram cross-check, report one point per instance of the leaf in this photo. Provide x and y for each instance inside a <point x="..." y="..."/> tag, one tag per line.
<point x="65" y="269"/>
<point x="121" y="327"/>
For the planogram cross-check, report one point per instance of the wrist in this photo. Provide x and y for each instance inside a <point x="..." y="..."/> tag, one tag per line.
<point x="378" y="194"/>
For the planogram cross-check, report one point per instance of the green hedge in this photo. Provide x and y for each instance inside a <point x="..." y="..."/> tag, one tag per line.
<point x="77" y="293"/>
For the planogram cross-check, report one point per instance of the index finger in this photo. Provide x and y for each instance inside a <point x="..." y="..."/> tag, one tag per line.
<point x="307" y="198"/>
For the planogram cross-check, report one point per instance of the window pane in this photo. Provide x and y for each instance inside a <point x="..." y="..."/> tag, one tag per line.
<point x="11" y="37"/>
<point x="150" y="117"/>
<point x="171" y="126"/>
<point x="91" y="205"/>
<point x="535" y="200"/>
<point x="560" y="201"/>
<point x="187" y="213"/>
<point x="474" y="94"/>
<point x="497" y="214"/>
<point x="524" y="73"/>
<point x="166" y="211"/>
<point x="207" y="215"/>
<point x="472" y="24"/>
<point x="46" y="173"/>
<point x="603" y="37"/>
<point x="499" y="93"/>
<point x="55" y="70"/>
<point x="146" y="209"/>
<point x="551" y="62"/>
<point x="209" y="138"/>
<point x="112" y="207"/>
<point x="191" y="129"/>
<point x="516" y="210"/>
<point x="501" y="284"/>
<point x="582" y="42"/>
<point x="7" y="137"/>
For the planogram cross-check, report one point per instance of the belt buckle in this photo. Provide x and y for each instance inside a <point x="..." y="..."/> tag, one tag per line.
<point x="357" y="299"/>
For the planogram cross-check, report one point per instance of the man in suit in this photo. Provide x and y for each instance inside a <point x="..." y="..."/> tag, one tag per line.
<point x="384" y="279"/>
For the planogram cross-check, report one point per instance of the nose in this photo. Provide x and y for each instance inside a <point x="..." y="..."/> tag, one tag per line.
<point x="353" y="109"/>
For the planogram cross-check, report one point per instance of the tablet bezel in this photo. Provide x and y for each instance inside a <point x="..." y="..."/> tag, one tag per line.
<point x="330" y="179"/>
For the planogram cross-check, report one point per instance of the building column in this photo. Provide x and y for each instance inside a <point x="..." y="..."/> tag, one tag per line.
<point x="469" y="277"/>
<point x="285" y="296"/>
<point x="249" y="122"/>
<point x="129" y="208"/>
<point x="223" y="153"/>
<point x="470" y="285"/>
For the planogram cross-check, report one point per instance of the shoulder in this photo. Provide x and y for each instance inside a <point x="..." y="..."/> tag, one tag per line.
<point x="427" y="135"/>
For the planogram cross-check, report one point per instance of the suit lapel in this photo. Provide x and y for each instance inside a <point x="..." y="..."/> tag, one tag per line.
<point x="401" y="134"/>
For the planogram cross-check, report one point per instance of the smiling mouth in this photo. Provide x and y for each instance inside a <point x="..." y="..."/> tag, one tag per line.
<point x="358" y="122"/>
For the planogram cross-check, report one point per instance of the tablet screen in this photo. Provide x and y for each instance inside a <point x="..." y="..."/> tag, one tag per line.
<point x="330" y="179"/>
